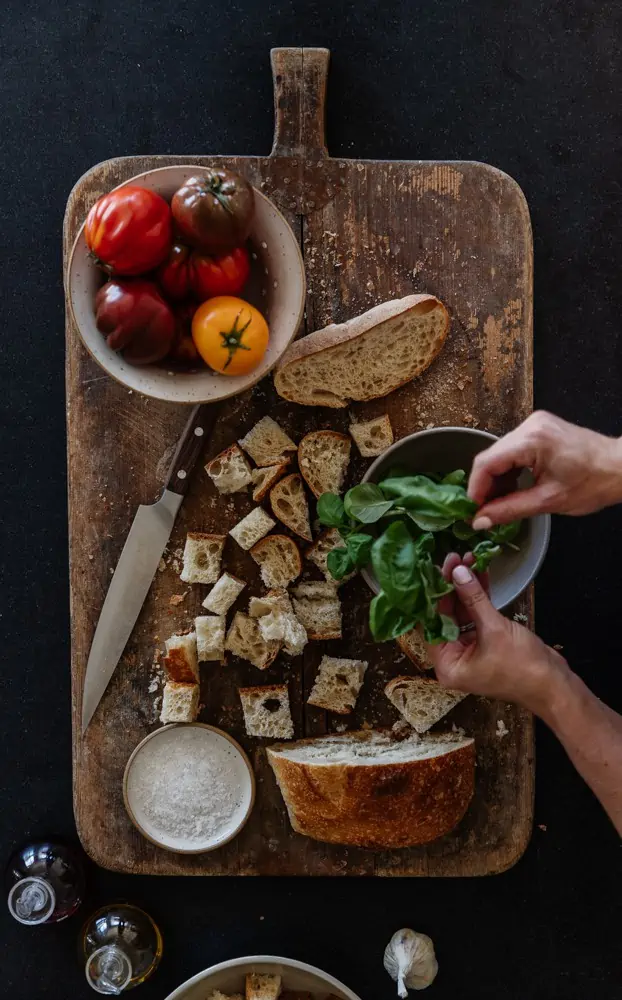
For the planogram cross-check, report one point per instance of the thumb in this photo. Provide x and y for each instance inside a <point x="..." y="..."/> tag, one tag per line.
<point x="472" y="595"/>
<point x="514" y="507"/>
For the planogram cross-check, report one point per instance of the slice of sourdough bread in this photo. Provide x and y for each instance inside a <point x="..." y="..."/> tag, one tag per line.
<point x="367" y="357"/>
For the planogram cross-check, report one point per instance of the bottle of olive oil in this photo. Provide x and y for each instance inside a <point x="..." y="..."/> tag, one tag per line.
<point x="44" y="882"/>
<point x="121" y="947"/>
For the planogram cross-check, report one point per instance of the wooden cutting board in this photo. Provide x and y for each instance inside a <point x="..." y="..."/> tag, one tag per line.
<point x="370" y="230"/>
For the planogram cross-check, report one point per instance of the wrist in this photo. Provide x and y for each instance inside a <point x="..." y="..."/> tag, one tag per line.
<point x="610" y="463"/>
<point x="564" y="695"/>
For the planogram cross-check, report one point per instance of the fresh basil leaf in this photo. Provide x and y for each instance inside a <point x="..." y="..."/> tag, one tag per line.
<point x="359" y="548"/>
<point x="441" y="628"/>
<point x="339" y="563"/>
<point x="432" y="506"/>
<point x="387" y="622"/>
<point x="395" y="562"/>
<point x="484" y="552"/>
<point x="504" y="534"/>
<point x="330" y="510"/>
<point x="462" y="531"/>
<point x="456" y="478"/>
<point x="425" y="543"/>
<point x="366" y="503"/>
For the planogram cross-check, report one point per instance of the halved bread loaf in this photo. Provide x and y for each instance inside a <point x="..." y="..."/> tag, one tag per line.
<point x="245" y="640"/>
<point x="372" y="437"/>
<point x="421" y="700"/>
<point x="367" y="789"/>
<point x="278" y="558"/>
<point x="323" y="458"/>
<point x="289" y="504"/>
<point x="367" y="357"/>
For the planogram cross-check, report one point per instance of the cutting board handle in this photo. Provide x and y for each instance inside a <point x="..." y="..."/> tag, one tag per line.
<point x="299" y="78"/>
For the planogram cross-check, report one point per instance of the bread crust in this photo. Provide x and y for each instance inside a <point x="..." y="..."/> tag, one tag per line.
<point x="340" y="333"/>
<point x="377" y="806"/>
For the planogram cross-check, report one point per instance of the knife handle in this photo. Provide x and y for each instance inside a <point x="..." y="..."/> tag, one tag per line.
<point x="189" y="447"/>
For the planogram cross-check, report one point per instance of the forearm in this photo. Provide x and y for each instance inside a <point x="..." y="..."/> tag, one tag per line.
<point x="591" y="734"/>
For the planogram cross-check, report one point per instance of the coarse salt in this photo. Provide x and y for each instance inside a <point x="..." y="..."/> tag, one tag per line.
<point x="186" y="789"/>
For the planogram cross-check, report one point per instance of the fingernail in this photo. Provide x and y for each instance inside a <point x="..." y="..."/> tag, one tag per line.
<point x="462" y="575"/>
<point x="482" y="524"/>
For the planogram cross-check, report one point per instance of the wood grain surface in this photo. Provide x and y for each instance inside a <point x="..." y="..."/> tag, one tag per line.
<point x="370" y="231"/>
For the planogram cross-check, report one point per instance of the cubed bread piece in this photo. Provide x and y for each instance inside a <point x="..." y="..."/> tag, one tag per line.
<point x="251" y="528"/>
<point x="278" y="558"/>
<point x="181" y="663"/>
<point x="180" y="702"/>
<point x="223" y="594"/>
<point x="210" y="631"/>
<point x="372" y="437"/>
<point x="337" y="684"/>
<point x="244" y="639"/>
<point x="318" y="607"/>
<point x="421" y="700"/>
<point x="202" y="557"/>
<point x="323" y="458"/>
<point x="266" y="442"/>
<point x="412" y="644"/>
<point x="267" y="477"/>
<point x="289" y="504"/>
<point x="318" y="554"/>
<point x="277" y="620"/>
<point x="217" y="995"/>
<point x="267" y="714"/>
<point x="230" y="471"/>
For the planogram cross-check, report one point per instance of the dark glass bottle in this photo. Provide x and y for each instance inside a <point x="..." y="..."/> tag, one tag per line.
<point x="121" y="948"/>
<point x="44" y="883"/>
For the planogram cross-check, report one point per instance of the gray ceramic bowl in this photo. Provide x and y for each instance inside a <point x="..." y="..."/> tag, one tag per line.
<point x="443" y="449"/>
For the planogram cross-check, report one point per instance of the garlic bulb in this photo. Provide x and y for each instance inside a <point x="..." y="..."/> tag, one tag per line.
<point x="410" y="960"/>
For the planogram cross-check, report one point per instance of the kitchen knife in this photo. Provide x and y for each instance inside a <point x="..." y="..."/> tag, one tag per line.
<point x="139" y="561"/>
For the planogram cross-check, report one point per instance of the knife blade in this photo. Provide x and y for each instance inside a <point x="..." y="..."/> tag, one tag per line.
<point x="138" y="563"/>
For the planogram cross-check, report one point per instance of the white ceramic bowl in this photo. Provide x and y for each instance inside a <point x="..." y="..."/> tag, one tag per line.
<point x="205" y="740"/>
<point x="228" y="977"/>
<point x="442" y="449"/>
<point x="276" y="287"/>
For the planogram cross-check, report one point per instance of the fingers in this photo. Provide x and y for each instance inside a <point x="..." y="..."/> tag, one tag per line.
<point x="484" y="578"/>
<point x="447" y="604"/>
<point x="514" y="451"/>
<point x="523" y="503"/>
<point x="472" y="596"/>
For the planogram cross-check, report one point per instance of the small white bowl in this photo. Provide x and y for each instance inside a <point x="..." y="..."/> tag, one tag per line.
<point x="205" y="740"/>
<point x="229" y="977"/>
<point x="276" y="287"/>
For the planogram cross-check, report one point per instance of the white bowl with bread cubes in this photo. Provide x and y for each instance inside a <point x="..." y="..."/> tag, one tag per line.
<point x="373" y="789"/>
<point x="262" y="977"/>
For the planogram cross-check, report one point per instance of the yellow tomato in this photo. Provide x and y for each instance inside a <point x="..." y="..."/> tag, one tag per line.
<point x="230" y="335"/>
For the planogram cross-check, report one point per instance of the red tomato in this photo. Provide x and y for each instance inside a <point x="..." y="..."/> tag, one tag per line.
<point x="129" y="230"/>
<point x="135" y="319"/>
<point x="174" y="274"/>
<point x="184" y="350"/>
<point x="225" y="275"/>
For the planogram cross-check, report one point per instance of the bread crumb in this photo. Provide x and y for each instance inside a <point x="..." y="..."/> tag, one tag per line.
<point x="519" y="617"/>
<point x="557" y="646"/>
<point x="543" y="827"/>
<point x="502" y="729"/>
<point x="177" y="598"/>
<point x="161" y="565"/>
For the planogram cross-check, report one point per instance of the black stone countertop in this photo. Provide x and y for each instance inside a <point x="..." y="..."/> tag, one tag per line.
<point x="531" y="87"/>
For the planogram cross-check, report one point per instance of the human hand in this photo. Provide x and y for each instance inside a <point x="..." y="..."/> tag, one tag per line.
<point x="575" y="470"/>
<point x="498" y="658"/>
